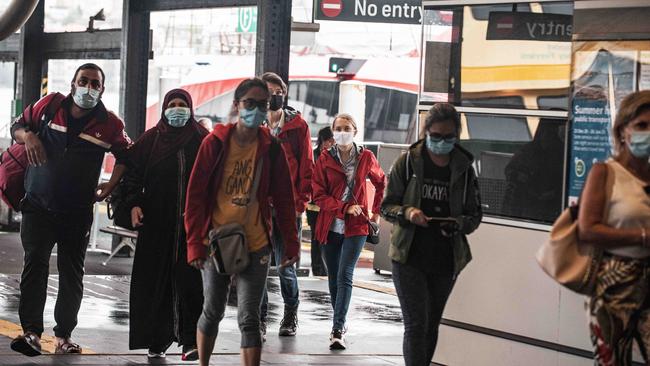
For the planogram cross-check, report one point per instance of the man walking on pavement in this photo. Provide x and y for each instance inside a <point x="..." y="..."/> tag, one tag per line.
<point x="293" y="132"/>
<point x="65" y="139"/>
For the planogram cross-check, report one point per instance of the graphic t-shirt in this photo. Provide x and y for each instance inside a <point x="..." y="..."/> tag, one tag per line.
<point x="431" y="251"/>
<point x="234" y="196"/>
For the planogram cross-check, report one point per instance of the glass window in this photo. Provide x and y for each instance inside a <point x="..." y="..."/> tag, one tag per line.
<point x="390" y="71"/>
<point x="497" y="128"/>
<point x="6" y="96"/>
<point x="498" y="55"/>
<point x="317" y="101"/>
<point x="73" y="15"/>
<point x="519" y="177"/>
<point x="390" y="115"/>
<point x="205" y="51"/>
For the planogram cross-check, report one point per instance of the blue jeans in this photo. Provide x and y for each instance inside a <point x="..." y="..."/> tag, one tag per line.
<point x="251" y="284"/>
<point x="288" y="278"/>
<point x="341" y="256"/>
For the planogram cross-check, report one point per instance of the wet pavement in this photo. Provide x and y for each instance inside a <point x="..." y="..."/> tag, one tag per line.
<point x="374" y="320"/>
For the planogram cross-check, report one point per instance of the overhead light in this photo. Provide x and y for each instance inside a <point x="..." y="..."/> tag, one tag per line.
<point x="99" y="16"/>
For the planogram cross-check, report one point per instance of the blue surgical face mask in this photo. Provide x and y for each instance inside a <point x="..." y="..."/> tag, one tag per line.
<point x="252" y="118"/>
<point x="177" y="116"/>
<point x="86" y="98"/>
<point x="440" y="146"/>
<point x="639" y="144"/>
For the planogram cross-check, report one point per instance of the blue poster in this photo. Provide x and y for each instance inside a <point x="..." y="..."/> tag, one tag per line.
<point x="590" y="142"/>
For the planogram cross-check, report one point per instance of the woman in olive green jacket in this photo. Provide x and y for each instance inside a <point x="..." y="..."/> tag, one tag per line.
<point x="433" y="200"/>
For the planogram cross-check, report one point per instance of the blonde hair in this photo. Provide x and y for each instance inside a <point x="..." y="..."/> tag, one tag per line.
<point x="630" y="108"/>
<point x="346" y="116"/>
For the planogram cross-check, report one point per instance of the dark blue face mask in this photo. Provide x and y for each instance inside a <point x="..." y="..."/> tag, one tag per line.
<point x="440" y="146"/>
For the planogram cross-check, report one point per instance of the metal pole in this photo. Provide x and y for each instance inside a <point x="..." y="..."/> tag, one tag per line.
<point x="134" y="68"/>
<point x="30" y="58"/>
<point x="273" y="37"/>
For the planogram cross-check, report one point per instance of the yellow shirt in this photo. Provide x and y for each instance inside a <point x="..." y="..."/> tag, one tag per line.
<point x="235" y="194"/>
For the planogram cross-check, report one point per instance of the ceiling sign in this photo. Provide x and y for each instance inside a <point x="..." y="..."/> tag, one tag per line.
<point x="374" y="11"/>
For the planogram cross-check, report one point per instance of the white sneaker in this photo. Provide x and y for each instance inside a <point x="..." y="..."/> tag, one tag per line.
<point x="152" y="354"/>
<point x="337" y="341"/>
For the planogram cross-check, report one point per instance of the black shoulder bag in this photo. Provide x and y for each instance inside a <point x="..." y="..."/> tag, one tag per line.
<point x="118" y="204"/>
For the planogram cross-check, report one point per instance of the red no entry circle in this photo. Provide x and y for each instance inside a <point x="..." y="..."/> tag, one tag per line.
<point x="331" y="8"/>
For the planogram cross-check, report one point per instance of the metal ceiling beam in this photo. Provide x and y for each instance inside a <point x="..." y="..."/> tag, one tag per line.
<point x="105" y="44"/>
<point x="163" y="5"/>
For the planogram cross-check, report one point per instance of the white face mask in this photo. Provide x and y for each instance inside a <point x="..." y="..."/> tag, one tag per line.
<point x="86" y="98"/>
<point x="343" y="138"/>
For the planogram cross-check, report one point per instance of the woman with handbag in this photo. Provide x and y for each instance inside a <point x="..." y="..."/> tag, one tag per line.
<point x="239" y="169"/>
<point x="619" y="223"/>
<point x="339" y="189"/>
<point x="324" y="142"/>
<point x="166" y="294"/>
<point x="433" y="201"/>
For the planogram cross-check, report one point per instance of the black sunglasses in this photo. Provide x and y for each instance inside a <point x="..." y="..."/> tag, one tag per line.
<point x="439" y="137"/>
<point x="250" y="104"/>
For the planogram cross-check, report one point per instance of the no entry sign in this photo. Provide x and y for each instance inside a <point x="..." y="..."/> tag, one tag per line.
<point x="331" y="8"/>
<point x="375" y="11"/>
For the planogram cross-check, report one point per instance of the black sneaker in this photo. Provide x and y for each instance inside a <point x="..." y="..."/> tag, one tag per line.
<point x="337" y="341"/>
<point x="263" y="329"/>
<point x="289" y="323"/>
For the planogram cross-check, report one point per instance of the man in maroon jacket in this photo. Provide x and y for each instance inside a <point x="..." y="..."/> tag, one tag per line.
<point x="293" y="132"/>
<point x="65" y="151"/>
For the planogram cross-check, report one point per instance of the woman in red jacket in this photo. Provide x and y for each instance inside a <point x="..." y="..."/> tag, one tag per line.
<point x="220" y="192"/>
<point x="339" y="189"/>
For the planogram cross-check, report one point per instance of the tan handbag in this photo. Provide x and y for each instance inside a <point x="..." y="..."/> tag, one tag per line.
<point x="571" y="263"/>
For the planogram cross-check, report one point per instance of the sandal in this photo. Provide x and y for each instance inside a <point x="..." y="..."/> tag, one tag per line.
<point x="29" y="344"/>
<point x="190" y="353"/>
<point x="68" y="348"/>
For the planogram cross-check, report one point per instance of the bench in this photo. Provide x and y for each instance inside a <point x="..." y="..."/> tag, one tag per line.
<point x="127" y="239"/>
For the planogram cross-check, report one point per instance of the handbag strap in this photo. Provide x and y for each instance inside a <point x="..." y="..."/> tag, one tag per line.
<point x="351" y="187"/>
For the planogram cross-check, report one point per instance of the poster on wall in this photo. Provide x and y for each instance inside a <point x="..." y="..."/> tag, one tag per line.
<point x="590" y="140"/>
<point x="600" y="79"/>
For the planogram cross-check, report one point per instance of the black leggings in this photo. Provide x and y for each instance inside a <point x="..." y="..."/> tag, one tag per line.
<point x="422" y="297"/>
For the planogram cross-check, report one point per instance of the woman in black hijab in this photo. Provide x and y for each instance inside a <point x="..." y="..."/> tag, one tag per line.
<point x="166" y="293"/>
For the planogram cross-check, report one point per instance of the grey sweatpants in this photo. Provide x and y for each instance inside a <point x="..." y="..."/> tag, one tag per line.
<point x="251" y="284"/>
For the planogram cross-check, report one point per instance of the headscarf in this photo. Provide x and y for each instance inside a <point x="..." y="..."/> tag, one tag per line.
<point x="171" y="139"/>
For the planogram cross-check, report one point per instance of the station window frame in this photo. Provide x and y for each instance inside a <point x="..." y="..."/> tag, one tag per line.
<point x="511" y="112"/>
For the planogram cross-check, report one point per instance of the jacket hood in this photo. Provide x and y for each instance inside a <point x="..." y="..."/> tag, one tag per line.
<point x="222" y="131"/>
<point x="292" y="119"/>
